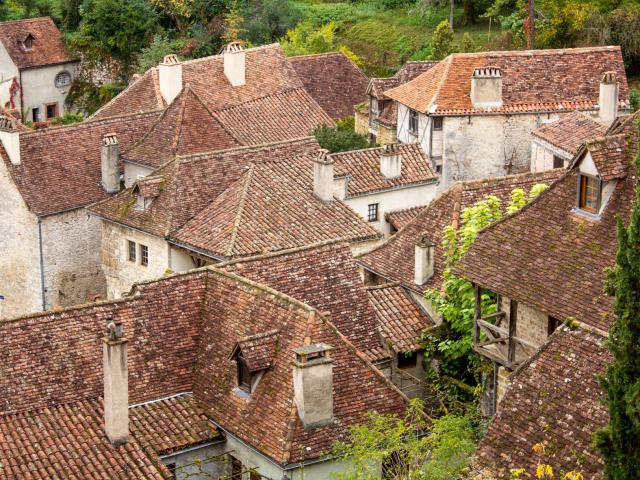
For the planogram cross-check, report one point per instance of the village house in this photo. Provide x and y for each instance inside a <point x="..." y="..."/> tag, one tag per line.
<point x="546" y="262"/>
<point x="36" y="70"/>
<point x="199" y="375"/>
<point x="473" y="113"/>
<point x="376" y="116"/>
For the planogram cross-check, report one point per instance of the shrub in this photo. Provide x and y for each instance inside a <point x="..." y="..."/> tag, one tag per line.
<point x="339" y="139"/>
<point x="442" y="41"/>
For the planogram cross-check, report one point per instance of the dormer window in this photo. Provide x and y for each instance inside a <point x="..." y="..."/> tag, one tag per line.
<point x="589" y="193"/>
<point x="27" y="42"/>
<point x="253" y="357"/>
<point x="244" y="375"/>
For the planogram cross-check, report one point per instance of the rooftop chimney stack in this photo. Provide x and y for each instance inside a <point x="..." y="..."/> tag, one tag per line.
<point x="170" y="78"/>
<point x="608" y="102"/>
<point x="425" y="253"/>
<point x="234" y="64"/>
<point x="110" y="163"/>
<point x="390" y="162"/>
<point x="10" y="138"/>
<point x="116" y="384"/>
<point x="313" y="384"/>
<point x="323" y="176"/>
<point x="486" y="87"/>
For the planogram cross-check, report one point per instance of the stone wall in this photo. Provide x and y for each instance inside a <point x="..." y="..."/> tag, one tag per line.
<point x="361" y="123"/>
<point x="71" y="253"/>
<point x="121" y="273"/>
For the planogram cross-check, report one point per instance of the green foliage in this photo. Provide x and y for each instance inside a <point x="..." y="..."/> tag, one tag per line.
<point x="153" y="54"/>
<point x="619" y="442"/>
<point x="634" y="100"/>
<point x="410" y="447"/>
<point x="67" y="119"/>
<point x="305" y="39"/>
<point x="340" y="139"/>
<point x="442" y="41"/>
<point x="467" y="45"/>
<point x="87" y="97"/>
<point x="266" y="21"/>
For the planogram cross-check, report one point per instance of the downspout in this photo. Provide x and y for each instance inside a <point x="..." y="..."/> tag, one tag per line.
<point x="42" y="289"/>
<point x="22" y="103"/>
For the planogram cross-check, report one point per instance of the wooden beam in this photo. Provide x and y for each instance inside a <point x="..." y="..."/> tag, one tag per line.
<point x="513" y="318"/>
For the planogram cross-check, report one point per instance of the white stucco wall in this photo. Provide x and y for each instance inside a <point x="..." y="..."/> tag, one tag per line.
<point x="200" y="463"/>
<point x="133" y="171"/>
<point x="72" y="264"/>
<point x="8" y="71"/>
<point x="38" y="85"/>
<point x="542" y="155"/>
<point x="19" y="252"/>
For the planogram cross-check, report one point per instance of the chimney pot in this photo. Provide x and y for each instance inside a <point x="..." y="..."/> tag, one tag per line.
<point x="486" y="87"/>
<point x="116" y="384"/>
<point x="608" y="100"/>
<point x="323" y="176"/>
<point x="110" y="163"/>
<point x="10" y="138"/>
<point x="313" y="384"/>
<point x="424" y="267"/>
<point x="234" y="60"/>
<point x="390" y="162"/>
<point x="170" y="78"/>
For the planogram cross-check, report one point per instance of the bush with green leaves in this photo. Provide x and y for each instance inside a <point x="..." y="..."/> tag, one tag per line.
<point x="265" y="21"/>
<point x="442" y="41"/>
<point x="161" y="46"/>
<point x="340" y="138"/>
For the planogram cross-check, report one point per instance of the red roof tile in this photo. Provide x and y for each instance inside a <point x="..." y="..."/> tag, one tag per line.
<point x="611" y="155"/>
<point x="570" y="132"/>
<point x="400" y="218"/>
<point x="409" y="71"/>
<point x="258" y="350"/>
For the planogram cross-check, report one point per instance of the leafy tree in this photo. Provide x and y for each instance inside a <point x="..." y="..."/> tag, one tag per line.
<point x="619" y="441"/>
<point x="268" y="20"/>
<point x="467" y="45"/>
<point x="233" y="21"/>
<point x="442" y="41"/>
<point x="634" y="100"/>
<point x="161" y="46"/>
<point x="340" y="139"/>
<point x="70" y="10"/>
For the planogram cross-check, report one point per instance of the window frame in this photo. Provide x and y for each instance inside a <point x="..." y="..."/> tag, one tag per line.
<point x="132" y="251"/>
<point x="144" y="255"/>
<point x="408" y="361"/>
<point x="65" y="74"/>
<point x="36" y="110"/>
<point x="437" y="124"/>
<point x="413" y="117"/>
<point x="583" y="186"/>
<point x="375" y="209"/>
<point x="55" y="110"/>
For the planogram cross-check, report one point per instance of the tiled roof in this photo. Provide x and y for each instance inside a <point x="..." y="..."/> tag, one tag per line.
<point x="570" y="132"/>
<point x="555" y="399"/>
<point x="409" y="71"/>
<point x="47" y="48"/>
<point x="191" y="183"/>
<point x="551" y="258"/>
<point x="394" y="259"/>
<point x="362" y="167"/>
<point x="271" y="207"/>
<point x="60" y="167"/>
<point x="170" y="424"/>
<point x="68" y="441"/>
<point x="333" y="81"/>
<point x="611" y="155"/>
<point x="179" y="131"/>
<point x="400" y="320"/>
<point x="400" y="218"/>
<point x="258" y="350"/>
<point x="532" y="81"/>
<point x="325" y="277"/>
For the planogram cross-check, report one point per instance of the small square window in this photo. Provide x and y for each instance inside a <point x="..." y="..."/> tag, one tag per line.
<point x="413" y="122"/>
<point x="407" y="360"/>
<point x="372" y="212"/>
<point x="558" y="162"/>
<point x="144" y="255"/>
<point x="437" y="123"/>
<point x="589" y="193"/>
<point x="244" y="375"/>
<point x="52" y="110"/>
<point x="132" y="250"/>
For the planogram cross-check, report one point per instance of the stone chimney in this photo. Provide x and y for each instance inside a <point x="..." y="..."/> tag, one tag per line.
<point x="234" y="64"/>
<point x="110" y="163"/>
<point x="313" y="384"/>
<point x="390" y="161"/>
<point x="323" y="176"/>
<point x="608" y="101"/>
<point x="170" y="78"/>
<point x="425" y="253"/>
<point x="116" y="384"/>
<point x="10" y="138"/>
<point x="486" y="87"/>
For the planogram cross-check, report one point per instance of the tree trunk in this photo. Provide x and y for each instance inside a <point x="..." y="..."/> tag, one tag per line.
<point x="532" y="29"/>
<point x="451" y="14"/>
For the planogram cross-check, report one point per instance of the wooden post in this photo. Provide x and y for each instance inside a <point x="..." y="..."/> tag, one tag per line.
<point x="513" y="318"/>
<point x="477" y="312"/>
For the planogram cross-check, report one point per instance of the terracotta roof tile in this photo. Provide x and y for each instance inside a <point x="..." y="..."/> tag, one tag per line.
<point x="258" y="350"/>
<point x="394" y="259"/>
<point x="611" y="155"/>
<point x="554" y="399"/>
<point x="570" y="132"/>
<point x="47" y="49"/>
<point x="362" y="168"/>
<point x="400" y="218"/>
<point x="333" y="81"/>
<point x="409" y="71"/>
<point x="535" y="80"/>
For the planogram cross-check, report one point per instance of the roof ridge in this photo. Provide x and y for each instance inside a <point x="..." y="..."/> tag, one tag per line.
<point x="390" y="284"/>
<point x="241" y="204"/>
<point x="546" y="52"/>
<point x="443" y="79"/>
<point x="278" y="253"/>
<point x="26" y="20"/>
<point x="213" y="117"/>
<point x="261" y="146"/>
<point x="505" y="178"/>
<point x="47" y="406"/>
<point x="210" y="57"/>
<point x="180" y="119"/>
<point x="258" y="99"/>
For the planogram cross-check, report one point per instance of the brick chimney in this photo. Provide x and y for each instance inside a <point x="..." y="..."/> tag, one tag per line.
<point x="234" y="64"/>
<point x="425" y="252"/>
<point x="608" y="101"/>
<point x="170" y="78"/>
<point x="390" y="161"/>
<point x="486" y="87"/>
<point x="10" y="138"/>
<point x="323" y="176"/>
<point x="110" y="163"/>
<point x="116" y="384"/>
<point x="313" y="384"/>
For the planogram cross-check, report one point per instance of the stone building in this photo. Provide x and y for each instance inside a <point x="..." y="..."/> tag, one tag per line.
<point x="547" y="261"/>
<point x="36" y="70"/>
<point x="199" y="375"/>
<point x="473" y="113"/>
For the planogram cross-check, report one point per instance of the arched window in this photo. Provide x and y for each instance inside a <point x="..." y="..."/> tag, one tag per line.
<point x="63" y="79"/>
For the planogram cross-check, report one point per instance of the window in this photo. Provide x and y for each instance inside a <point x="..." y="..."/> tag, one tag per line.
<point x="552" y="324"/>
<point x="28" y="43"/>
<point x="413" y="122"/>
<point x="372" y="212"/>
<point x="52" y="110"/>
<point x="144" y="255"/>
<point x="132" y="250"/>
<point x="244" y="375"/>
<point x="589" y="193"/>
<point x="558" y="162"/>
<point x="35" y="114"/>
<point x="437" y="123"/>
<point x="407" y="360"/>
<point x="63" y="79"/>
<point x="236" y="468"/>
